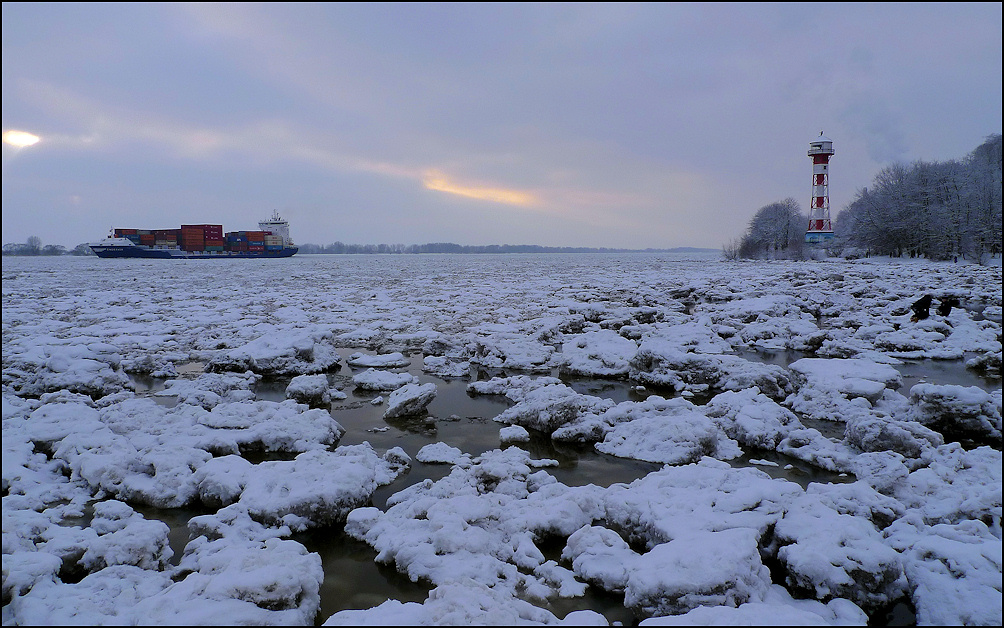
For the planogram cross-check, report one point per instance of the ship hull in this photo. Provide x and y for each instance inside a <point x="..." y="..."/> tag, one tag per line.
<point x="144" y="252"/>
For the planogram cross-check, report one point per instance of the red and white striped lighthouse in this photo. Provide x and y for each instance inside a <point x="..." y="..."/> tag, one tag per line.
<point x="820" y="229"/>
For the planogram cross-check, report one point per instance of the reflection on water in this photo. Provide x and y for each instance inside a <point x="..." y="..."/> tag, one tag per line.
<point x="177" y="520"/>
<point x="352" y="578"/>
<point x="945" y="372"/>
<point x="785" y="467"/>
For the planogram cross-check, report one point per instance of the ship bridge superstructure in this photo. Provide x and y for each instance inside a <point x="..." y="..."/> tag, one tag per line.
<point x="278" y="227"/>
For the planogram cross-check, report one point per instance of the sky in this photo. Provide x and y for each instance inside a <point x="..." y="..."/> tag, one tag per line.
<point x="594" y="125"/>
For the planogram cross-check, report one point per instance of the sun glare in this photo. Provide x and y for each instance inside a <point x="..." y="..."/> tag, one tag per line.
<point x="20" y="139"/>
<point x="497" y="195"/>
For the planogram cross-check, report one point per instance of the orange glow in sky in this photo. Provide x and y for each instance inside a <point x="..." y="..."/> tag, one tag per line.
<point x="498" y="195"/>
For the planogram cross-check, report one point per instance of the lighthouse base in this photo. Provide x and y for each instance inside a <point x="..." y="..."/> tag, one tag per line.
<point x="818" y="237"/>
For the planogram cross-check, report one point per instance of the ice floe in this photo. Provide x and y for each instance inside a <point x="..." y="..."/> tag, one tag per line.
<point x="914" y="518"/>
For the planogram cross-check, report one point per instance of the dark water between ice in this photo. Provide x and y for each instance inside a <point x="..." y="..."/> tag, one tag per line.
<point x="354" y="581"/>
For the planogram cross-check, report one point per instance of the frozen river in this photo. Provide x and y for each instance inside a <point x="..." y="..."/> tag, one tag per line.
<point x="587" y="438"/>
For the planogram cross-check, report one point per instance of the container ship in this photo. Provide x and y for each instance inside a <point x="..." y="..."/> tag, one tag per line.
<point x="200" y="242"/>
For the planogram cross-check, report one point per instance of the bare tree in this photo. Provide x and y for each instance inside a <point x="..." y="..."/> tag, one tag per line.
<point x="33" y="245"/>
<point x="776" y="230"/>
<point x="731" y="250"/>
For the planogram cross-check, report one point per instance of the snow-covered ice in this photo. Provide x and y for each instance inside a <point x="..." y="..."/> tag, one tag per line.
<point x="731" y="376"/>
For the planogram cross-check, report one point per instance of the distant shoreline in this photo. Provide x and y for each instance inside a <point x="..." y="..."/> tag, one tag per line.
<point x="339" y="248"/>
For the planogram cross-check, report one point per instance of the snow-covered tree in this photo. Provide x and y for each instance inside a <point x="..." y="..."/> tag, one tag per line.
<point x="777" y="230"/>
<point x="934" y="209"/>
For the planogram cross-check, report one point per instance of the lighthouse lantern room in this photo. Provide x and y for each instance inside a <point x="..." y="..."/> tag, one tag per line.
<point x="820" y="228"/>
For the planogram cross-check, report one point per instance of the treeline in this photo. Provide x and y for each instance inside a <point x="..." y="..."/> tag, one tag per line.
<point x="449" y="247"/>
<point x="776" y="231"/>
<point x="937" y="210"/>
<point x="33" y="246"/>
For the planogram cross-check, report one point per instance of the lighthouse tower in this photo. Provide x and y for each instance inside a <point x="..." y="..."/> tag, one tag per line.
<point x="820" y="229"/>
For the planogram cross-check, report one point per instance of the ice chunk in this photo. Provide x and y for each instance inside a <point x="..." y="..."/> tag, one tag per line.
<point x="603" y="353"/>
<point x="386" y="360"/>
<point x="441" y="453"/>
<point x="678" y="437"/>
<point x="957" y="411"/>
<point x="317" y="487"/>
<point x="752" y="418"/>
<point x="409" y="400"/>
<point x="309" y="389"/>
<point x="778" y="609"/>
<point x="442" y="366"/>
<point x="464" y="602"/>
<point x="125" y="537"/>
<point x="373" y="379"/>
<point x="954" y="571"/>
<point x="284" y="353"/>
<point x="701" y="373"/>
<point x="832" y="555"/>
<point x="549" y="407"/>
<point x="695" y="569"/>
<point x="514" y="434"/>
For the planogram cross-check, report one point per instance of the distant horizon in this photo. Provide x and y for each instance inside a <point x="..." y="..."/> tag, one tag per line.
<point x="489" y="248"/>
<point x="402" y="248"/>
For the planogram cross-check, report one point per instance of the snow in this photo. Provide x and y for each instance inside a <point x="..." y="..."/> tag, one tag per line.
<point x="318" y="487"/>
<point x="309" y="389"/>
<point x="373" y="379"/>
<point x="388" y="360"/>
<point x="672" y="578"/>
<point x="602" y="353"/>
<point x="959" y="411"/>
<point x="409" y="399"/>
<point x="441" y="453"/>
<point x="671" y="432"/>
<point x="904" y="506"/>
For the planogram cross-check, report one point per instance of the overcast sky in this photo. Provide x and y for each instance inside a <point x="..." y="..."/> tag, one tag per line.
<point x="637" y="126"/>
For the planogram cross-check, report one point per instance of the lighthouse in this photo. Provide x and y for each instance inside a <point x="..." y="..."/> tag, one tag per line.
<point x="820" y="229"/>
